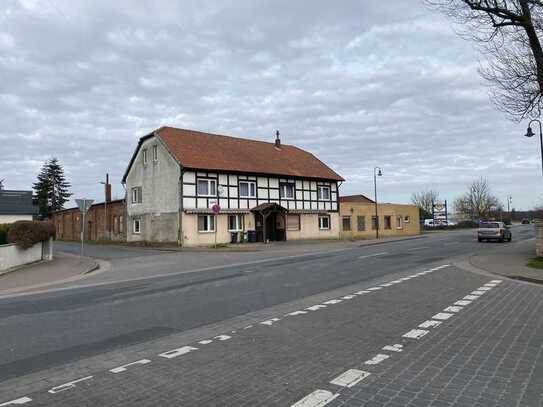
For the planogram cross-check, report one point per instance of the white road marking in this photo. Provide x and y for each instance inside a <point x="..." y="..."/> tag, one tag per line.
<point x="205" y="342"/>
<point x="223" y="337"/>
<point x="485" y="288"/>
<point x="17" y="402"/>
<point x="373" y="255"/>
<point x="429" y="324"/>
<point x="418" y="248"/>
<point x="348" y="297"/>
<point x="69" y="385"/>
<point x="177" y="352"/>
<point x="318" y="398"/>
<point x="332" y="302"/>
<point x="396" y="281"/>
<point x="297" y="313"/>
<point x="394" y="348"/>
<point x="491" y="285"/>
<point x="442" y="316"/>
<point x="375" y="288"/>
<point x="376" y="359"/>
<point x="496" y="281"/>
<point x="453" y="309"/>
<point x="415" y="333"/>
<point x="123" y="368"/>
<point x="462" y="303"/>
<point x="362" y="292"/>
<point x="316" y="307"/>
<point x="270" y="322"/>
<point x="405" y="278"/>
<point x="248" y="327"/>
<point x="350" y="378"/>
<point x="470" y="297"/>
<point x="477" y="292"/>
<point x="387" y="284"/>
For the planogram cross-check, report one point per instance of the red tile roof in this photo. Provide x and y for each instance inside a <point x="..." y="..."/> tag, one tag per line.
<point x="197" y="150"/>
<point x="356" y="198"/>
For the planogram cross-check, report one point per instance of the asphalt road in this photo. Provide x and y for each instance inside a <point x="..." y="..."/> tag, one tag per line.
<point x="48" y="330"/>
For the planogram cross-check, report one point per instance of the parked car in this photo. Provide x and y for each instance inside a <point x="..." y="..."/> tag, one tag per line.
<point x="494" y="231"/>
<point x="525" y="221"/>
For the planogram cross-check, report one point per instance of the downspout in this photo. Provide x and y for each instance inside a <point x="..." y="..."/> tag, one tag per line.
<point x="180" y="237"/>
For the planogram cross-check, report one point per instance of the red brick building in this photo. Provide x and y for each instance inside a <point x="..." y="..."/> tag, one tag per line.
<point x="68" y="222"/>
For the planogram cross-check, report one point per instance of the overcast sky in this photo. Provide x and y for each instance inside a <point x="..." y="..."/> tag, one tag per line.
<point x="358" y="83"/>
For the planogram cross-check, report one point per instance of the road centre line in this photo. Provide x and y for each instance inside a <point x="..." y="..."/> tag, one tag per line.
<point x="430" y="323"/>
<point x="453" y="308"/>
<point x="177" y="352"/>
<point x="415" y="333"/>
<point x="442" y="316"/>
<point x="418" y="248"/>
<point x="373" y="255"/>
<point x="377" y="359"/>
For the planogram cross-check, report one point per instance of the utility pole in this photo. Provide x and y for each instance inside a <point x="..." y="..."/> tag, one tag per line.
<point x="107" y="198"/>
<point x="375" y="174"/>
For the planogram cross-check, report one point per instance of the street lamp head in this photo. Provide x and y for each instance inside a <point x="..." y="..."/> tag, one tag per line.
<point x="380" y="173"/>
<point x="529" y="132"/>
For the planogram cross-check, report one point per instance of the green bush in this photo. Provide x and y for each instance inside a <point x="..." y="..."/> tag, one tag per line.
<point x="4" y="227"/>
<point x="26" y="233"/>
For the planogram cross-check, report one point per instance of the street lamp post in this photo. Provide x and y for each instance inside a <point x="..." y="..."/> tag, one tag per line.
<point x="530" y="133"/>
<point x="377" y="171"/>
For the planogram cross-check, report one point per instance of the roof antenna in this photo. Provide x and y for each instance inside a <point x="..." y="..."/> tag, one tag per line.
<point x="277" y="140"/>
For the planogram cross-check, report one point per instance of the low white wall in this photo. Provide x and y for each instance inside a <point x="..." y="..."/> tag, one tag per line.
<point x="13" y="256"/>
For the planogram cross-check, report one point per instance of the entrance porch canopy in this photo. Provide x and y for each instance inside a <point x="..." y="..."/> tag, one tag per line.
<point x="267" y="209"/>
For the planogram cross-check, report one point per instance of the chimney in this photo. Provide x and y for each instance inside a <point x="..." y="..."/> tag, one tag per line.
<point x="277" y="140"/>
<point x="108" y="189"/>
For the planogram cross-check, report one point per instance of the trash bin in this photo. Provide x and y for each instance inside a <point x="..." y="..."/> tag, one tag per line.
<point x="234" y="237"/>
<point x="251" y="236"/>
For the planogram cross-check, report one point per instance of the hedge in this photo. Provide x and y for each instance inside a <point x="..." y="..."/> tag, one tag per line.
<point x="4" y="227"/>
<point x="26" y="233"/>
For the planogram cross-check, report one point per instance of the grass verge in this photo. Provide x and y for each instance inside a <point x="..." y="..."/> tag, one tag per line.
<point x="536" y="263"/>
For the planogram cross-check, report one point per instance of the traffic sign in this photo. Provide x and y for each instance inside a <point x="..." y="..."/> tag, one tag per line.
<point x="216" y="209"/>
<point x="84" y="204"/>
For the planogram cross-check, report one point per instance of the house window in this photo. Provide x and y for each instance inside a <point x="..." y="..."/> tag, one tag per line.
<point x="293" y="222"/>
<point x="247" y="189"/>
<point x="155" y="153"/>
<point x="286" y="190"/>
<point x="407" y="219"/>
<point x="144" y="155"/>
<point x="361" y="223"/>
<point x="121" y="227"/>
<point x="136" y="226"/>
<point x="374" y="222"/>
<point x="388" y="222"/>
<point x="136" y="195"/>
<point x="207" y="187"/>
<point x="399" y="222"/>
<point x="324" y="222"/>
<point x="235" y="223"/>
<point x="115" y="224"/>
<point x="323" y="193"/>
<point x="346" y="223"/>
<point x="206" y="223"/>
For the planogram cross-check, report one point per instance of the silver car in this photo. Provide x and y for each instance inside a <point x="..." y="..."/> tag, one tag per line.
<point x="494" y="231"/>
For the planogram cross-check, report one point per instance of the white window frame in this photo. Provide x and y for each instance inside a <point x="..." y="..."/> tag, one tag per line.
<point x="283" y="186"/>
<point x="250" y="184"/>
<point x="321" y="217"/>
<point x="137" y="197"/>
<point x="239" y="222"/>
<point x="136" y="230"/>
<point x="208" y="230"/>
<point x="209" y="182"/>
<point x="155" y="153"/>
<point x="144" y="156"/>
<point x="320" y="188"/>
<point x="406" y="219"/>
<point x="399" y="218"/>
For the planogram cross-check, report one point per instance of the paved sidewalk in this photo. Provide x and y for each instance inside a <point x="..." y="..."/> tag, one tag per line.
<point x="510" y="261"/>
<point x="64" y="267"/>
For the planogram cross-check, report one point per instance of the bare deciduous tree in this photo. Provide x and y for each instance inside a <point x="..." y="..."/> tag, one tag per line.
<point x="424" y="201"/>
<point x="508" y="33"/>
<point x="478" y="202"/>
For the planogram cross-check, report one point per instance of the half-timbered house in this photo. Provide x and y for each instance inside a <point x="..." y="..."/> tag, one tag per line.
<point x="266" y="191"/>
